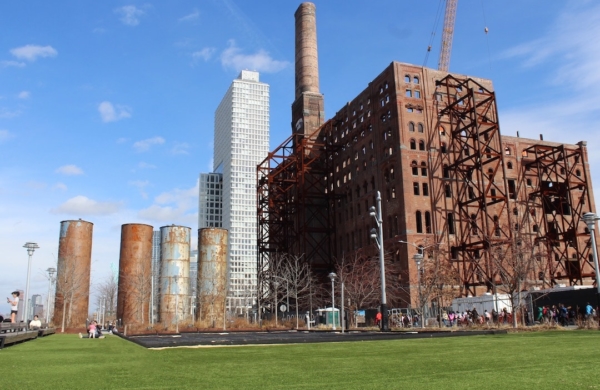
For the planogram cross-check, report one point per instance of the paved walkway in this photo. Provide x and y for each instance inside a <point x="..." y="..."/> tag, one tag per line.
<point x="286" y="337"/>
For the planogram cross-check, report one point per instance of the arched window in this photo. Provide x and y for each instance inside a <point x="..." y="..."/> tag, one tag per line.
<point x="448" y="191"/>
<point x="415" y="168"/>
<point x="413" y="144"/>
<point x="427" y="222"/>
<point x="407" y="78"/>
<point x="446" y="172"/>
<point x="423" y="169"/>
<point x="421" y="145"/>
<point x="450" y="221"/>
<point x="392" y="173"/>
<point x="496" y="226"/>
<point x="442" y="130"/>
<point x="473" y="225"/>
<point x="419" y="222"/>
<point x="386" y="176"/>
<point x="416" y="80"/>
<point x="509" y="165"/>
<point x="411" y="127"/>
<point x="390" y="150"/>
<point x="578" y="173"/>
<point x="443" y="148"/>
<point x="393" y="192"/>
<point x="420" y="127"/>
<point x="507" y="151"/>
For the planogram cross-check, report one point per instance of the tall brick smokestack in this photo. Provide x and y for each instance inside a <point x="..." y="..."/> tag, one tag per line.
<point x="307" y="60"/>
<point x="307" y="111"/>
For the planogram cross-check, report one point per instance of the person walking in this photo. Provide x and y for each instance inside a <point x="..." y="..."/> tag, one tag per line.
<point x="14" y="306"/>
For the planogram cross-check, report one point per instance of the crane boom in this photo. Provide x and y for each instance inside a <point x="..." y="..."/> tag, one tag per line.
<point x="448" y="34"/>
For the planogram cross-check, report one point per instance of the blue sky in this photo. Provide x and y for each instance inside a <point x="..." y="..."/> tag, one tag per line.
<point x="106" y="108"/>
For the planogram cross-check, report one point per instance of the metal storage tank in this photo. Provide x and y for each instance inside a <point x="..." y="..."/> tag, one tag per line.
<point x="212" y="275"/>
<point x="135" y="274"/>
<point x="174" y="274"/>
<point x="73" y="274"/>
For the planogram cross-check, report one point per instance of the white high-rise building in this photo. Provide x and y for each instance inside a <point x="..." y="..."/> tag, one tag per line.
<point x="241" y="143"/>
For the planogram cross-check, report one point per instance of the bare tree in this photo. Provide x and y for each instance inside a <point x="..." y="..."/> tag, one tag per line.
<point x="136" y="285"/>
<point x="71" y="287"/>
<point x="107" y="294"/>
<point x="514" y="262"/>
<point x="296" y="272"/>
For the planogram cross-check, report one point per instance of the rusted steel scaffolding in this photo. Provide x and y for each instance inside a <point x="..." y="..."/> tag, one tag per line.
<point x="294" y="213"/>
<point x="558" y="197"/>
<point x="473" y="167"/>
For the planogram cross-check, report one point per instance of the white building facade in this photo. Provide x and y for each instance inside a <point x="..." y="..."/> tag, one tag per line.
<point x="241" y="143"/>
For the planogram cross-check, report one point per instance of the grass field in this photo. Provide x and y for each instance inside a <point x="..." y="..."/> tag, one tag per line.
<point x="544" y="360"/>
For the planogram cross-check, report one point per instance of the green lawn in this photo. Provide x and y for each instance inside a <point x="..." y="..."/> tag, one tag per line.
<point x="545" y="360"/>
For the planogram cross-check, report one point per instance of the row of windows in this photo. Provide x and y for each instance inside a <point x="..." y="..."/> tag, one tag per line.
<point x="413" y="144"/>
<point x="424" y="186"/>
<point x="411" y="127"/>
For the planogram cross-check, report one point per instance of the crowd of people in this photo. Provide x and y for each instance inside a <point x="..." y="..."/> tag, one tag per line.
<point x="555" y="314"/>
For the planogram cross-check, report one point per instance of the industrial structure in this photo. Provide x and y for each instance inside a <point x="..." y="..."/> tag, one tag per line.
<point x="212" y="276"/>
<point x="430" y="142"/>
<point x="73" y="274"/>
<point x="174" y="305"/>
<point x="227" y="198"/>
<point x="135" y="274"/>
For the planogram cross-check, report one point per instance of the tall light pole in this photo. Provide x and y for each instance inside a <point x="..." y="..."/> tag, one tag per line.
<point x="590" y="220"/>
<point x="376" y="214"/>
<point x="332" y="276"/>
<point x="31" y="247"/>
<point x="276" y="284"/>
<point x="418" y="258"/>
<point x="51" y="271"/>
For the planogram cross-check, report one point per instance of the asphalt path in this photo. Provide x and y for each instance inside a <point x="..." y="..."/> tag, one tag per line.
<point x="285" y="337"/>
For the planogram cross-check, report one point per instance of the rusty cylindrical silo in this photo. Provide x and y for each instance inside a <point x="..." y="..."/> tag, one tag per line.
<point x="135" y="274"/>
<point x="73" y="274"/>
<point x="174" y="274"/>
<point x="307" y="61"/>
<point x="212" y="275"/>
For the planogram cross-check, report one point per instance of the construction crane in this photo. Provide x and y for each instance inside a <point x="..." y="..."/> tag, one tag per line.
<point x="448" y="34"/>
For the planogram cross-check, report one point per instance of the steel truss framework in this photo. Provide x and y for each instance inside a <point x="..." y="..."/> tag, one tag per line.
<point x="473" y="167"/>
<point x="473" y="197"/>
<point x="294" y="213"/>
<point x="556" y="206"/>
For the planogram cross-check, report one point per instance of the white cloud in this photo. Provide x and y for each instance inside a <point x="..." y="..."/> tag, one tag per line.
<point x="16" y="64"/>
<point x="141" y="186"/>
<point x="33" y="52"/>
<point x="60" y="186"/>
<point x="146" y="144"/>
<point x="191" y="17"/>
<point x="24" y="95"/>
<point x="121" y="140"/>
<point x="82" y="205"/>
<point x="110" y="113"/>
<point x="6" y="113"/>
<point x="176" y="206"/>
<point x="204" y="54"/>
<point x="130" y="15"/>
<point x="69" y="170"/>
<point x="144" y="165"/>
<point x="5" y="135"/>
<point x="260" y="61"/>
<point x="180" y="148"/>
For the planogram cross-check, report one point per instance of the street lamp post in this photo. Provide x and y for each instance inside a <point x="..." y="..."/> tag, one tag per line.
<point x="590" y="220"/>
<point x="276" y="284"/>
<point x="376" y="214"/>
<point x="418" y="258"/>
<point x="51" y="271"/>
<point x="31" y="247"/>
<point x="332" y="276"/>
